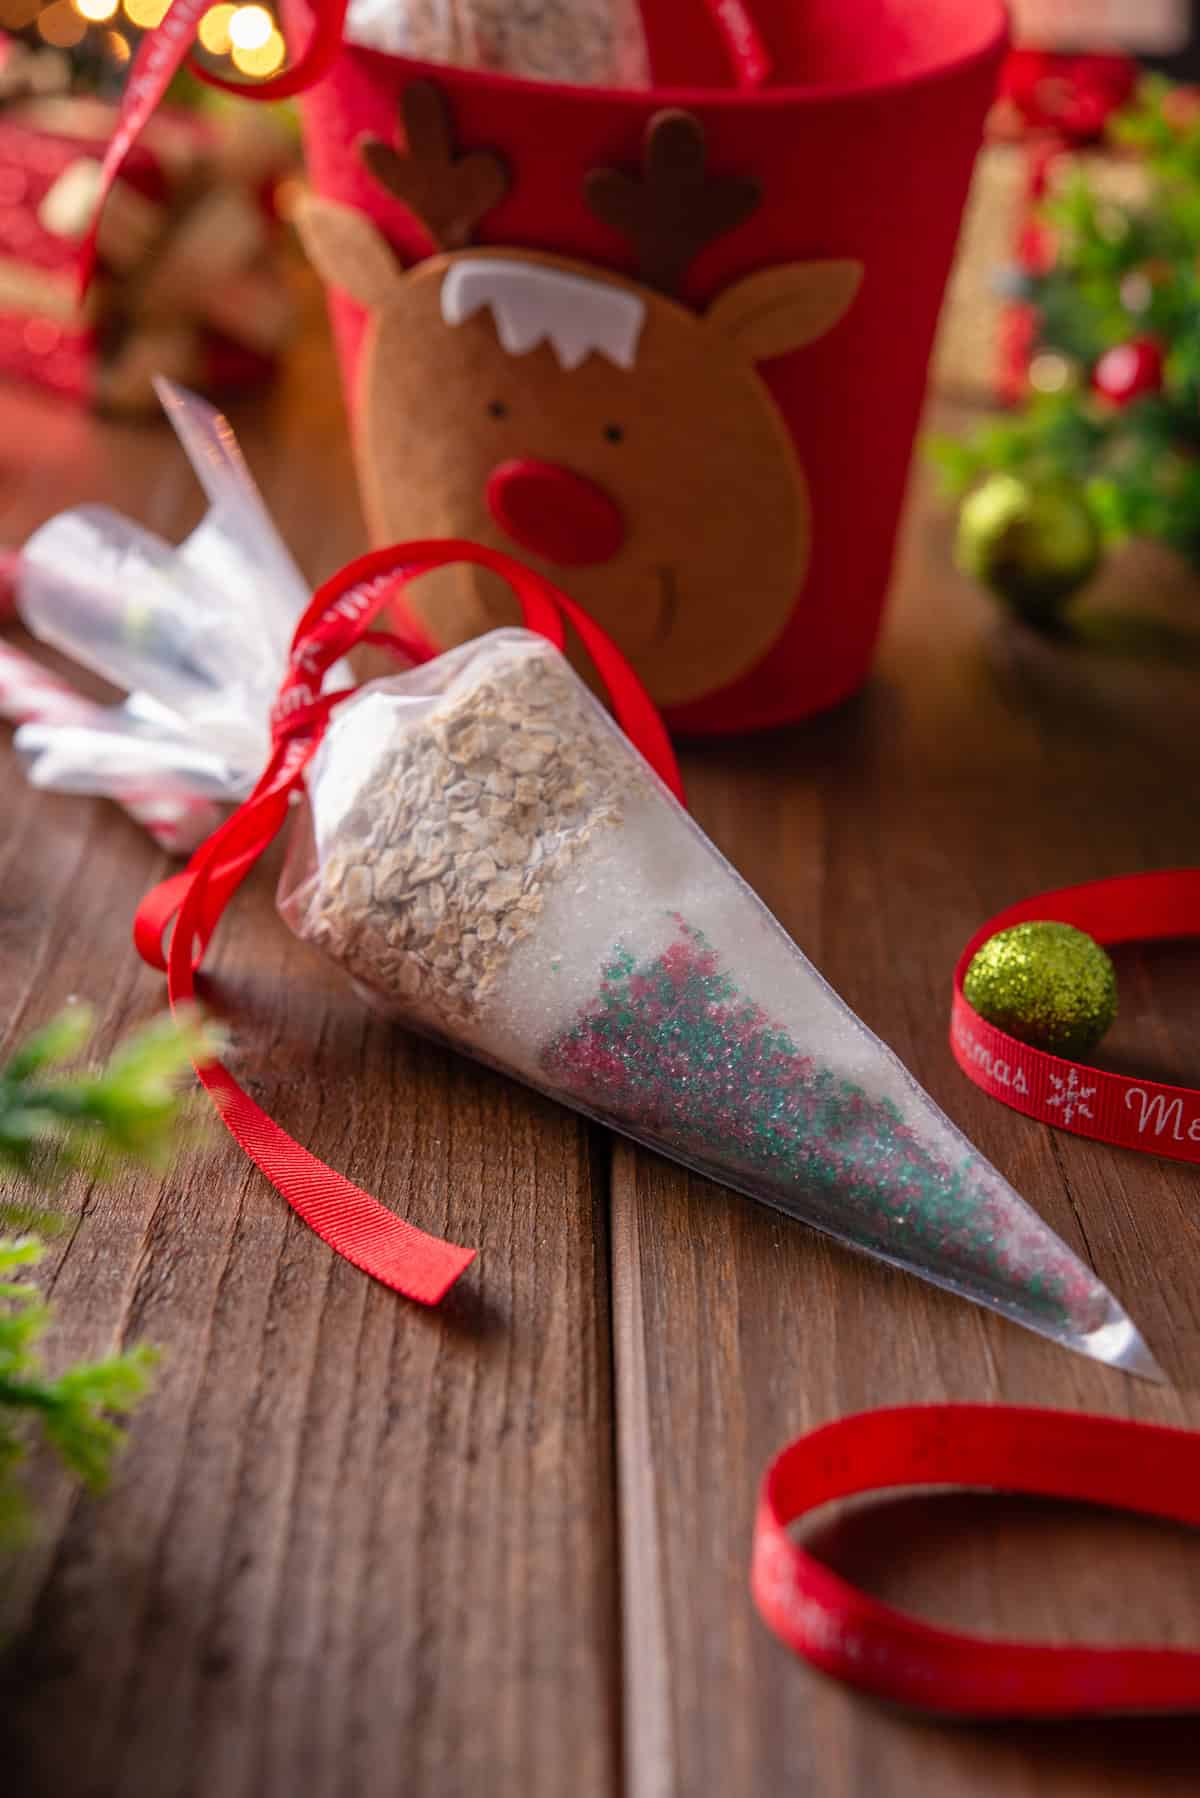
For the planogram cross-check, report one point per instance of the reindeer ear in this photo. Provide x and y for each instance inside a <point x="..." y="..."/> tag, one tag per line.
<point x="782" y="309"/>
<point x="346" y="250"/>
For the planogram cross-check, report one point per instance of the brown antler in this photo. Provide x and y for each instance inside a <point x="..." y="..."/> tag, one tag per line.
<point x="672" y="211"/>
<point x="448" y="193"/>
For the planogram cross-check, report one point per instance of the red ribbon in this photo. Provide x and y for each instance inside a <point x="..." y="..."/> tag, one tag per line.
<point x="879" y="1650"/>
<point x="1130" y="1112"/>
<point x="742" y="42"/>
<point x="354" y="1224"/>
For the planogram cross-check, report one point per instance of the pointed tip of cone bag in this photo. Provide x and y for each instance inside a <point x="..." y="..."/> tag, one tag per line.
<point x="1136" y="1358"/>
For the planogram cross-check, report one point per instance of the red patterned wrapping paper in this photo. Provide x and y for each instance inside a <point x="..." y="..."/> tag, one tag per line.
<point x="101" y="354"/>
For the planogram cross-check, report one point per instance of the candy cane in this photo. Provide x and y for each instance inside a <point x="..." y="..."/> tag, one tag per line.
<point x="30" y="694"/>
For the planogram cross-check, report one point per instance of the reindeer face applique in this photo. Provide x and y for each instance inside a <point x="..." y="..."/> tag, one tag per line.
<point x="625" y="445"/>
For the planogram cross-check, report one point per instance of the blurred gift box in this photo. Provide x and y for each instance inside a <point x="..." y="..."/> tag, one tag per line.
<point x="190" y="278"/>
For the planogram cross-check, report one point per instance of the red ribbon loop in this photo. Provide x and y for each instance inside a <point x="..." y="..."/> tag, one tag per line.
<point x="1138" y="1467"/>
<point x="1114" y="1108"/>
<point x="742" y="43"/>
<point x="354" y="1224"/>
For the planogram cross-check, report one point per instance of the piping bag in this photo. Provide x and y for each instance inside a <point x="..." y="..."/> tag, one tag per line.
<point x="503" y="865"/>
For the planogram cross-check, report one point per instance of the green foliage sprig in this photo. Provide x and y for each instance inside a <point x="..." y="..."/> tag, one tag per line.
<point x="50" y="1120"/>
<point x="76" y="1410"/>
<point x="128" y="1109"/>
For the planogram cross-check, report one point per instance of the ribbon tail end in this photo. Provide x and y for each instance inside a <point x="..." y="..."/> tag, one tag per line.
<point x="430" y="1284"/>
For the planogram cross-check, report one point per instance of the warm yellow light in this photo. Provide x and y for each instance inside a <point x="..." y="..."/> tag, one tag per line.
<point x="250" y="28"/>
<point x="95" y="11"/>
<point x="118" y="46"/>
<point x="146" y="14"/>
<point x="262" y="61"/>
<point x="214" y="29"/>
<point x="60" y="25"/>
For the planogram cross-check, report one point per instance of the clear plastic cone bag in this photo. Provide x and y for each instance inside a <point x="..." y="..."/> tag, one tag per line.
<point x="493" y="863"/>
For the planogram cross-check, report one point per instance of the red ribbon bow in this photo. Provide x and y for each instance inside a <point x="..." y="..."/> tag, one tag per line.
<point x="354" y="1224"/>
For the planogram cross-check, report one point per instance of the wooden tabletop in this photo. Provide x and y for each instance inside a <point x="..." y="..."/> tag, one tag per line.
<point x="356" y="1550"/>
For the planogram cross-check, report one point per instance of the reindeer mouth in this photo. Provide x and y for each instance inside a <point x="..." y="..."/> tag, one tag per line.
<point x="667" y="609"/>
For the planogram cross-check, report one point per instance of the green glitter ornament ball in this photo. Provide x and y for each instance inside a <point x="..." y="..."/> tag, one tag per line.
<point x="1049" y="985"/>
<point x="1032" y="546"/>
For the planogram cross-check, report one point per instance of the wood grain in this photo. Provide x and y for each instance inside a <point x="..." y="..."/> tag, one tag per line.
<point x="356" y="1550"/>
<point x="976" y="769"/>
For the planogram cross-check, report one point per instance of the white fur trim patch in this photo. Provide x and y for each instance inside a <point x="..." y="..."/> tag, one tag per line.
<point x="532" y="304"/>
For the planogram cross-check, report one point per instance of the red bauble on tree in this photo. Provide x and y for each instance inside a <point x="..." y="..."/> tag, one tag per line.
<point x="1129" y="371"/>
<point x="1073" y="96"/>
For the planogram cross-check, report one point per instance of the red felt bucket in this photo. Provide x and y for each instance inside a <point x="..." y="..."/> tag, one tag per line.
<point x="862" y="140"/>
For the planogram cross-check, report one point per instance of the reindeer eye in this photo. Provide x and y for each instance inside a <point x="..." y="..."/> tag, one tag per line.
<point x="498" y="409"/>
<point x="614" y="433"/>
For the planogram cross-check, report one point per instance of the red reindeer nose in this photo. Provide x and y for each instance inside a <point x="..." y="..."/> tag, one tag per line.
<point x="554" y="513"/>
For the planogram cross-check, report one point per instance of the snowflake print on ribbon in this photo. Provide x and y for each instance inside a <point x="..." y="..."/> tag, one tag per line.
<point x="1071" y="1096"/>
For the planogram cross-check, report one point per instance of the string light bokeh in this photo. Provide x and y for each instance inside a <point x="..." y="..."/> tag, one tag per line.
<point x="245" y="35"/>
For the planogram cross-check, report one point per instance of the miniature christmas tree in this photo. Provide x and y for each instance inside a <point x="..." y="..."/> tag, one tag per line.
<point x="1108" y="445"/>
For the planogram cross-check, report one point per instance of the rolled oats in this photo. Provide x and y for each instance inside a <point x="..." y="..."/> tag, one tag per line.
<point x="438" y="869"/>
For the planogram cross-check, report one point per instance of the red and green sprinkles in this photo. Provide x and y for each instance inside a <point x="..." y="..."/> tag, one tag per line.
<point x="671" y="1050"/>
